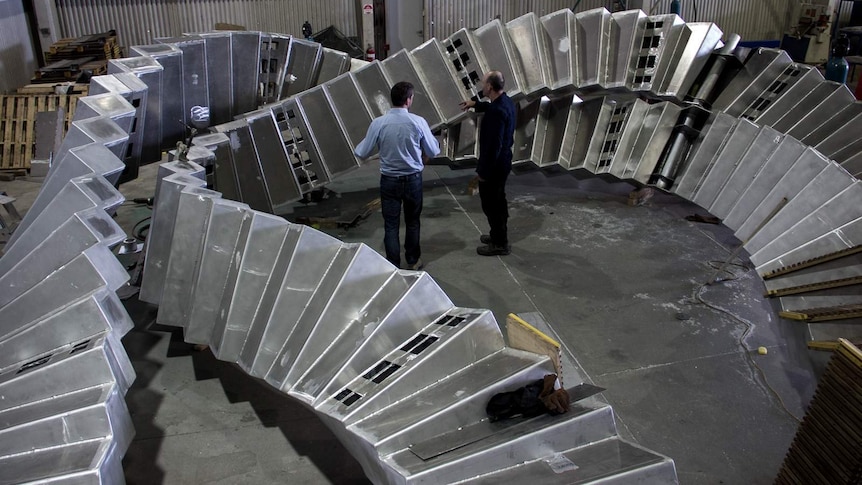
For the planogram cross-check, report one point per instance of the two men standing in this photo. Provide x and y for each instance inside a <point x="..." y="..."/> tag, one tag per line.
<point x="403" y="138"/>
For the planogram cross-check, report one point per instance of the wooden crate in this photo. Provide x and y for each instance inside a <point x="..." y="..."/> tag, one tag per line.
<point x="18" y="124"/>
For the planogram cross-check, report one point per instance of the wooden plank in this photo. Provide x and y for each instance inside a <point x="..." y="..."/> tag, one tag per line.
<point x="18" y="124"/>
<point x="522" y="335"/>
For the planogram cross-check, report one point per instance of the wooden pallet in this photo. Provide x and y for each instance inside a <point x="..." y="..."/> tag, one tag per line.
<point x="55" y="88"/>
<point x="18" y="124"/>
<point x="826" y="448"/>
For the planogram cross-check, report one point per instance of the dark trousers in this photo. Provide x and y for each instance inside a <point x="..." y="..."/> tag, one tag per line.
<point x="395" y="191"/>
<point x="493" y="196"/>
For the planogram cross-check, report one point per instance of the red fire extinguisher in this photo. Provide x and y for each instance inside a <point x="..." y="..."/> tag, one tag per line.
<point x="370" y="55"/>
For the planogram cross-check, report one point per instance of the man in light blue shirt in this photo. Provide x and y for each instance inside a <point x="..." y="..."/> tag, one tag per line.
<point x="401" y="138"/>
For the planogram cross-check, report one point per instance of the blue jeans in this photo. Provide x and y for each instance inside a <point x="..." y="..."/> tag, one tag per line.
<point x="395" y="190"/>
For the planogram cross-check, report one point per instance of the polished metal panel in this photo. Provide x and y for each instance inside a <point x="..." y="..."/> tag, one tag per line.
<point x="661" y="36"/>
<point x="561" y="29"/>
<point x="227" y="229"/>
<point x="303" y="261"/>
<point x="809" y="106"/>
<point x="780" y="162"/>
<point x="826" y="185"/>
<point x="320" y="357"/>
<point x="643" y="466"/>
<point x="150" y="72"/>
<point x="303" y="66"/>
<point x="805" y="169"/>
<point x="101" y="129"/>
<point x="110" y="105"/>
<point x="224" y="173"/>
<point x="850" y="114"/>
<point x="333" y="64"/>
<point x="551" y="128"/>
<point x="135" y="91"/>
<point x="169" y="185"/>
<point x="626" y="37"/>
<point x="219" y="62"/>
<point x="349" y="106"/>
<point x="500" y="51"/>
<point x="303" y="155"/>
<point x="853" y="165"/>
<point x="171" y="110"/>
<point x="440" y="79"/>
<point x="374" y="87"/>
<point x="701" y="156"/>
<point x="724" y="162"/>
<point x="80" y="232"/>
<point x="619" y="114"/>
<point x="831" y="214"/>
<point x="89" y="159"/>
<point x="462" y="395"/>
<point x="81" y="193"/>
<point x="400" y="67"/>
<point x="531" y="48"/>
<point x="190" y="227"/>
<point x="746" y="169"/>
<point x="841" y="238"/>
<point x="453" y="341"/>
<point x="275" y="51"/>
<point x="836" y="102"/>
<point x="196" y="97"/>
<point x="526" y="113"/>
<point x="251" y="187"/>
<point x="336" y="153"/>
<point x="792" y="86"/>
<point x="697" y="42"/>
<point x="245" y="64"/>
<point x="251" y="268"/>
<point x="285" y="154"/>
<point x="579" y="427"/>
<point x="619" y="140"/>
<point x="652" y="137"/>
<point x="92" y="270"/>
<point x="761" y="69"/>
<point x="97" y="313"/>
<point x="469" y="61"/>
<point x="594" y="30"/>
<point x="586" y="119"/>
<point x="843" y="142"/>
<point x="423" y="302"/>
<point x="357" y="273"/>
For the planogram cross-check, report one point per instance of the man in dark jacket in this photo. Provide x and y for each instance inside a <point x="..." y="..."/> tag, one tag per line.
<point x="496" y="134"/>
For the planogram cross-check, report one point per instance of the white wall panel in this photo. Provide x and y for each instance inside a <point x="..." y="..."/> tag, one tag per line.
<point x="139" y="21"/>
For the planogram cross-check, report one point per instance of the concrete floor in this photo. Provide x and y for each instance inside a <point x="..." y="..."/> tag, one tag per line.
<point x="624" y="288"/>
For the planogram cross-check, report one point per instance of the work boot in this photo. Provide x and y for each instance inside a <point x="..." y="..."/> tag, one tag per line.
<point x="485" y="239"/>
<point x="493" y="250"/>
<point x="418" y="265"/>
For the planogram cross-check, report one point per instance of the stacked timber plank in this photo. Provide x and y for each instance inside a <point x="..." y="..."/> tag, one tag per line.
<point x="18" y="124"/>
<point x="826" y="446"/>
<point x="70" y="59"/>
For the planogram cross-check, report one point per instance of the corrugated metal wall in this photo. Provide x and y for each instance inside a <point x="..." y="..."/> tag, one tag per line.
<point x="139" y="21"/>
<point x="753" y="20"/>
<point x="17" y="59"/>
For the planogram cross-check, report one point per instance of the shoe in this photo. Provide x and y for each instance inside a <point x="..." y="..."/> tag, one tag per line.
<point x="485" y="239"/>
<point x="493" y="250"/>
<point x="417" y="266"/>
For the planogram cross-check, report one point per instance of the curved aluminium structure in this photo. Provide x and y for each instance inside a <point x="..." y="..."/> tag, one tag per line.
<point x="398" y="372"/>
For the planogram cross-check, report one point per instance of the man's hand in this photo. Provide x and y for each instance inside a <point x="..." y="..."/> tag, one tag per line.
<point x="465" y="105"/>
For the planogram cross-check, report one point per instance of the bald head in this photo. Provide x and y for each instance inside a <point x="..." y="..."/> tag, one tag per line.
<point x="494" y="81"/>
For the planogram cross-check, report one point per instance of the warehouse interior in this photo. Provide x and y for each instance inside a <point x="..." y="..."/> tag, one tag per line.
<point x="651" y="298"/>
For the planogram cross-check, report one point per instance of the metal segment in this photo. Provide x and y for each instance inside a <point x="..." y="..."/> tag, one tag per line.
<point x="561" y="29"/>
<point x="531" y="64"/>
<point x="398" y="373"/>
